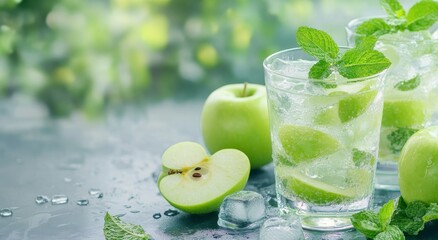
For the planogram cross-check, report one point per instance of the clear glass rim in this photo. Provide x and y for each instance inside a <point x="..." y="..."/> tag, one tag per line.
<point x="352" y="25"/>
<point x="275" y="72"/>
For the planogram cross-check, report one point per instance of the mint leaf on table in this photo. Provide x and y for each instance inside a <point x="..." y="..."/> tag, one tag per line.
<point x="358" y="63"/>
<point x="367" y="222"/>
<point x="385" y="213"/>
<point x="422" y="15"/>
<point x="408" y="85"/>
<point x="432" y="213"/>
<point x="409" y="217"/>
<point x="390" y="223"/>
<point x="398" y="138"/>
<point x="317" y="43"/>
<point x="391" y="233"/>
<point x="116" y="229"/>
<point x="393" y="8"/>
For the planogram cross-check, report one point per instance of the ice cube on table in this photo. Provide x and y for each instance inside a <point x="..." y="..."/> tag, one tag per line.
<point x="285" y="227"/>
<point x="242" y="210"/>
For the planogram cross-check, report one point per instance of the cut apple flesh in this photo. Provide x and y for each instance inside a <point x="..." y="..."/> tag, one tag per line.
<point x="404" y="113"/>
<point x="316" y="191"/>
<point x="183" y="155"/>
<point x="303" y="143"/>
<point x="201" y="187"/>
<point x="354" y="105"/>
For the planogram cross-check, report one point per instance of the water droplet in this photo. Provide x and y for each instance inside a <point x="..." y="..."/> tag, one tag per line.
<point x="130" y="198"/>
<point x="59" y="199"/>
<point x="156" y="215"/>
<point x="95" y="193"/>
<point x="67" y="180"/>
<point x="216" y="235"/>
<point x="6" y="212"/>
<point x="134" y="211"/>
<point x="171" y="213"/>
<point x="42" y="199"/>
<point x="127" y="206"/>
<point x="82" y="202"/>
<point x="120" y="215"/>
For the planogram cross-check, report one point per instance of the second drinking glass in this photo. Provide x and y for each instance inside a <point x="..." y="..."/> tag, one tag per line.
<point x="325" y="136"/>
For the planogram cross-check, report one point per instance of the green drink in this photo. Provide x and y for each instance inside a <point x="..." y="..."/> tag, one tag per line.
<point x="325" y="136"/>
<point x="410" y="93"/>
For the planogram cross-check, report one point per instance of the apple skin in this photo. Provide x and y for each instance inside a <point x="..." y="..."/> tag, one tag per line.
<point x="418" y="167"/>
<point x="230" y="120"/>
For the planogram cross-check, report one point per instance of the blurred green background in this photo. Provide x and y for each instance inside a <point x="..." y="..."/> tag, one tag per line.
<point x="86" y="56"/>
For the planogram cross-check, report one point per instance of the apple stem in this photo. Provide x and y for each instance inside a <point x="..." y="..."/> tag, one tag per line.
<point x="244" y="89"/>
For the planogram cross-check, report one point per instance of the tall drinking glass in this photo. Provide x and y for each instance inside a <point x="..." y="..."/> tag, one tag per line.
<point x="325" y="138"/>
<point x="410" y="95"/>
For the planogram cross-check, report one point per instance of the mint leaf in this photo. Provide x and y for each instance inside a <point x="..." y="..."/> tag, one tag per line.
<point x="320" y="70"/>
<point x="408" y="85"/>
<point x="317" y="43"/>
<point x="368" y="42"/>
<point x="411" y="226"/>
<point x="393" y="8"/>
<point x="391" y="233"/>
<point x="358" y="63"/>
<point x="373" y="27"/>
<point x="410" y="218"/>
<point x="385" y="213"/>
<point x="362" y="158"/>
<point x="432" y="213"/>
<point x="367" y="222"/>
<point x="416" y="209"/>
<point x="115" y="229"/>
<point x="398" y="138"/>
<point x="422" y="15"/>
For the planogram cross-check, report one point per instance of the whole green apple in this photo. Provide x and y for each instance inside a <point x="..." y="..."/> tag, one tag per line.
<point x="418" y="167"/>
<point x="236" y="116"/>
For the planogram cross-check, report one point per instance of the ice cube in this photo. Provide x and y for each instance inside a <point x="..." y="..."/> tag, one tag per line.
<point x="242" y="210"/>
<point x="282" y="228"/>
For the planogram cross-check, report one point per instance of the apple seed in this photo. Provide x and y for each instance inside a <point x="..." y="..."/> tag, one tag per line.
<point x="197" y="175"/>
<point x="170" y="172"/>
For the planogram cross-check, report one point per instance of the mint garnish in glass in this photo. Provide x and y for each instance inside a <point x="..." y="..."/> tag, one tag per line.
<point x="421" y="16"/>
<point x="358" y="62"/>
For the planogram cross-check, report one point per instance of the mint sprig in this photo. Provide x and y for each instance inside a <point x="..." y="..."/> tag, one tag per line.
<point x="318" y="44"/>
<point x="376" y="225"/>
<point x="408" y="85"/>
<point x="358" y="62"/>
<point x="115" y="229"/>
<point x="362" y="61"/>
<point x="411" y="218"/>
<point x="421" y="16"/>
<point x="393" y="8"/>
<point x="398" y="138"/>
<point x="391" y="221"/>
<point x="362" y="158"/>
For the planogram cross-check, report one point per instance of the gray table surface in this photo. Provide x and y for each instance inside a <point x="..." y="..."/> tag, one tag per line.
<point x="118" y="154"/>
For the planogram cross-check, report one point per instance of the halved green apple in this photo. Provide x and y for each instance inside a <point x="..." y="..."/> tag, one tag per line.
<point x="197" y="183"/>
<point x="303" y="143"/>
<point x="404" y="113"/>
